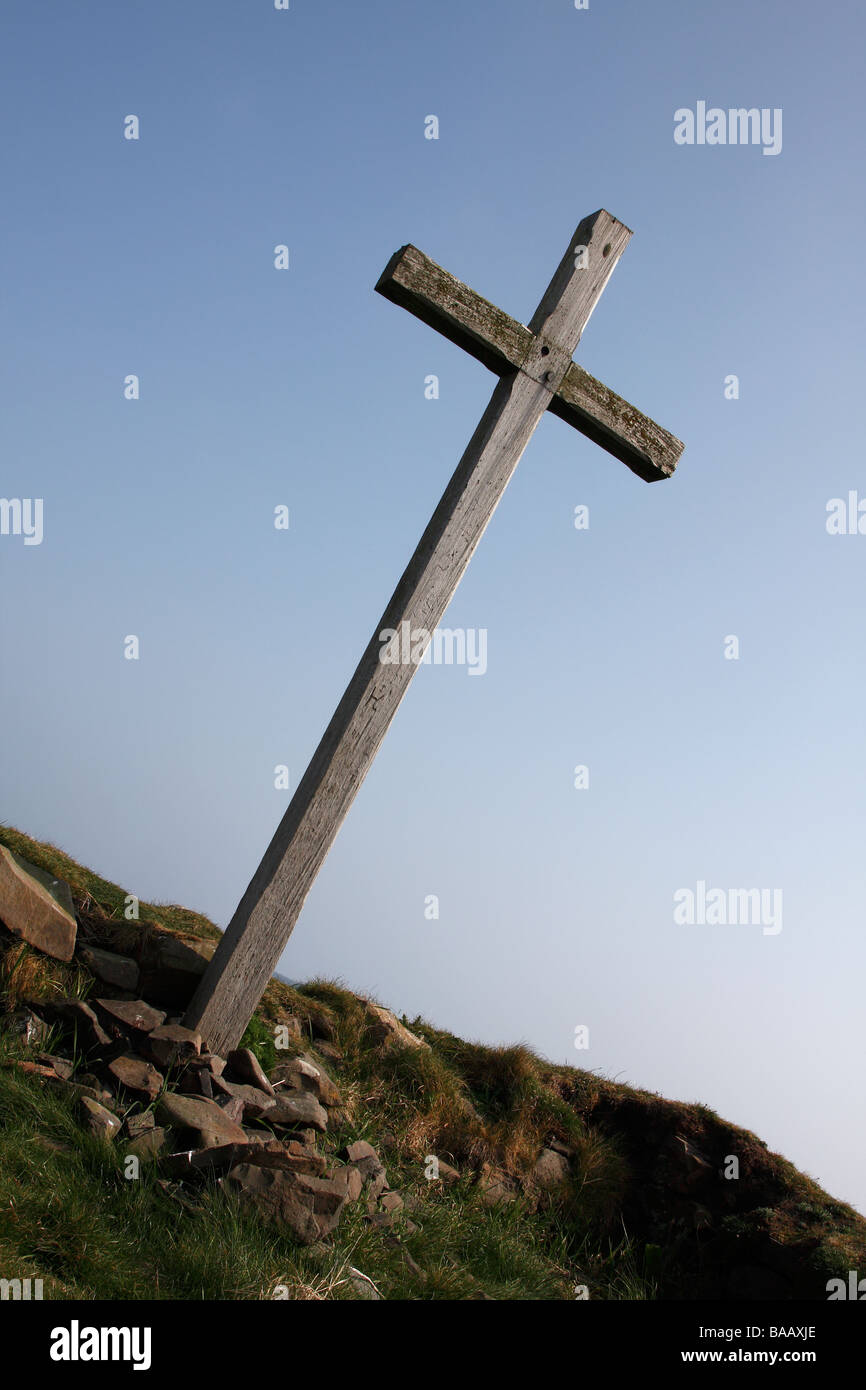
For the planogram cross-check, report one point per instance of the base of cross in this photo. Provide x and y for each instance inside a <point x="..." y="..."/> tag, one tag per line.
<point x="536" y="374"/>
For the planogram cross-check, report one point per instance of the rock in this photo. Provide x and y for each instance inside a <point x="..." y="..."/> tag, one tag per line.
<point x="96" y="1092"/>
<point x="136" y="1075"/>
<point x="552" y="1170"/>
<point x="261" y="1152"/>
<point x="197" y="1163"/>
<point x="391" y="1202"/>
<point x="27" y="1026"/>
<point x="384" y="1027"/>
<point x="97" y="1083"/>
<point x="302" y="1074"/>
<point x="149" y="1144"/>
<point x="382" y="1220"/>
<point x="196" y="1080"/>
<point x="329" y="1051"/>
<point x="139" y="1124"/>
<point x="446" y="1174"/>
<point x="202" y="1117"/>
<point x="298" y="1108"/>
<point x="320" y="1022"/>
<point x="233" y="1107"/>
<point x="303" y="1158"/>
<point x="51" y="1145"/>
<point x="173" y="968"/>
<point x="496" y="1186"/>
<point x="170" y="1043"/>
<point x="292" y="1026"/>
<point x="307" y="1206"/>
<point x="61" y="1066"/>
<point x="291" y="1072"/>
<point x="466" y="1108"/>
<point x="82" y="1021"/>
<point x="214" y="1064"/>
<point x="30" y="1068"/>
<point x="363" y="1285"/>
<point x="396" y="1244"/>
<point x="255" y="1102"/>
<point x="36" y="907"/>
<point x="134" y="1015"/>
<point x="365" y="1159"/>
<point x="692" y="1167"/>
<point x="558" y="1147"/>
<point x="119" y="971"/>
<point x="98" y="1120"/>
<point x="245" y="1066"/>
<point x="350" y="1178"/>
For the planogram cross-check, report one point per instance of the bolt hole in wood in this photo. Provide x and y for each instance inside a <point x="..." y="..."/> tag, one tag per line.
<point x="606" y="251"/>
<point x="545" y="351"/>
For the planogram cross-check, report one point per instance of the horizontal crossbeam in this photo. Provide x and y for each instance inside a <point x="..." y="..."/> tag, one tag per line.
<point x="418" y="284"/>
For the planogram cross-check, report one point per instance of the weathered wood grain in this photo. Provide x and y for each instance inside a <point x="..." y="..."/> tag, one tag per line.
<point x="604" y="417"/>
<point x="439" y="299"/>
<point x="257" y="934"/>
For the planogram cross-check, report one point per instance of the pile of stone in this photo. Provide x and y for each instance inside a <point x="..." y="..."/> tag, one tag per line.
<point x="149" y="1086"/>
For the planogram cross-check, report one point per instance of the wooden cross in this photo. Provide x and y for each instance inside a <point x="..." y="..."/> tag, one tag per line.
<point x="536" y="374"/>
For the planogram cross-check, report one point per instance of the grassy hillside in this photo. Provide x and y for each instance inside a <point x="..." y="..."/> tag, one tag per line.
<point x="644" y="1210"/>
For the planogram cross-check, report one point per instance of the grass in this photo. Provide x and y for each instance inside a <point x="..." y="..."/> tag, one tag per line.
<point x="70" y="1216"/>
<point x="620" y="1226"/>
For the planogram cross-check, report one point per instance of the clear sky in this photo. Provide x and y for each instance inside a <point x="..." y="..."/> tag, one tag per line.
<point x="606" y="646"/>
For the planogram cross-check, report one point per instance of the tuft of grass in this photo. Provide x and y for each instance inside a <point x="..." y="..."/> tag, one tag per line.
<point x="259" y="1039"/>
<point x="26" y="974"/>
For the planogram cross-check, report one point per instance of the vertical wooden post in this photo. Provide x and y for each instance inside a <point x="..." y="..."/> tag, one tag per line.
<point x="261" y="926"/>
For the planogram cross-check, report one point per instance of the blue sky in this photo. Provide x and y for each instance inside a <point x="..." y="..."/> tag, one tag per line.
<point x="303" y="387"/>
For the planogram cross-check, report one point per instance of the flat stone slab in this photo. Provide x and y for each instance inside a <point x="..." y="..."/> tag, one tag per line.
<point x="132" y="1013"/>
<point x="195" y="1079"/>
<point x="149" y="1144"/>
<point x="139" y="1124"/>
<point x="385" y="1027"/>
<point x="137" y="1076"/>
<point x="259" y="1153"/>
<point x="213" y="1126"/>
<point x="119" y="971"/>
<point x="302" y="1074"/>
<point x="364" y="1157"/>
<point x="61" y="1066"/>
<point x="245" y="1066"/>
<point x="79" y="1017"/>
<point x="350" y="1179"/>
<point x="29" y="1068"/>
<point x="298" y="1108"/>
<point x="255" y="1102"/>
<point x="36" y="907"/>
<point x="551" y="1170"/>
<point x="171" y="1043"/>
<point x="307" y="1206"/>
<point x="99" y="1121"/>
